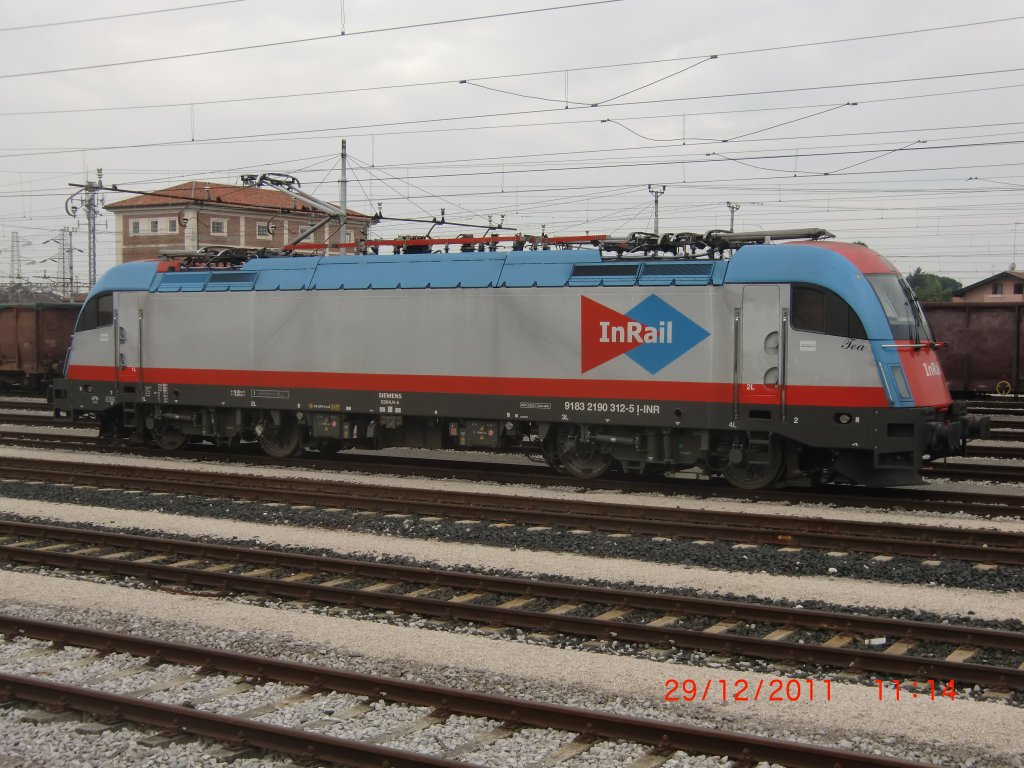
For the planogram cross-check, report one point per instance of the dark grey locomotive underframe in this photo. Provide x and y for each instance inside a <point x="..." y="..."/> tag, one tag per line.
<point x="669" y="433"/>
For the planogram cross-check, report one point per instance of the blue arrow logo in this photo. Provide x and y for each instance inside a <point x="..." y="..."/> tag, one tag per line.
<point x="682" y="336"/>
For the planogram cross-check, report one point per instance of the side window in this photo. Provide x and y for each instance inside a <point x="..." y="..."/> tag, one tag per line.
<point x="97" y="313"/>
<point x="820" y="310"/>
<point x="104" y="310"/>
<point x="808" y="309"/>
<point x="840" y="319"/>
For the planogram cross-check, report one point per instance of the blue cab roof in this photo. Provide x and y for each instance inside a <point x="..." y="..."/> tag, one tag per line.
<point x="514" y="269"/>
<point x="775" y="263"/>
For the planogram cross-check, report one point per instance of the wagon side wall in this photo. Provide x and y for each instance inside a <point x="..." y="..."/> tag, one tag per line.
<point x="984" y="345"/>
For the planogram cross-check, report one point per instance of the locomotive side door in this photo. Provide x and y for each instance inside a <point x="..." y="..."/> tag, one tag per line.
<point x="758" y="379"/>
<point x="128" y="344"/>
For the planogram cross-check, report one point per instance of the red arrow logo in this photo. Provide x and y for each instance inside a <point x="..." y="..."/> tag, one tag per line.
<point x="596" y="345"/>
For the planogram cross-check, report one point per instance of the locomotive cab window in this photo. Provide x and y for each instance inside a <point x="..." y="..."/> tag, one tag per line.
<point x="906" y="320"/>
<point x="97" y="313"/>
<point x="820" y="310"/>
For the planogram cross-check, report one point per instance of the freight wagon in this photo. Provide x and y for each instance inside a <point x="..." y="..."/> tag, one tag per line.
<point x="984" y="345"/>
<point x="34" y="340"/>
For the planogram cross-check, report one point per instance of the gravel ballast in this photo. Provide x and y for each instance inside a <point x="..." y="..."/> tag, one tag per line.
<point x="957" y="730"/>
<point x="965" y="732"/>
<point x="716" y="555"/>
<point x="825" y="589"/>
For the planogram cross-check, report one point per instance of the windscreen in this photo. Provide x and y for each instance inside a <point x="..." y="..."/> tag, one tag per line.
<point x="901" y="308"/>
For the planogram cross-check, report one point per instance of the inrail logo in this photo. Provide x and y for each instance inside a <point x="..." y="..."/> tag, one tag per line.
<point x="652" y="334"/>
<point x="638" y="332"/>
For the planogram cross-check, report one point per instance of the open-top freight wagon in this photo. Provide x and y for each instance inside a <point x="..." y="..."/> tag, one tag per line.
<point x="984" y="345"/>
<point x="34" y="341"/>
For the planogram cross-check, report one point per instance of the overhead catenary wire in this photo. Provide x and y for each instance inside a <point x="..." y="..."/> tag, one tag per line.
<point x="734" y="185"/>
<point x="374" y="173"/>
<point x="534" y="73"/>
<point x="112" y="17"/>
<point x="349" y="130"/>
<point x="708" y="158"/>
<point x="508" y="159"/>
<point x="317" y="38"/>
<point x="844" y="186"/>
<point x="599" y="163"/>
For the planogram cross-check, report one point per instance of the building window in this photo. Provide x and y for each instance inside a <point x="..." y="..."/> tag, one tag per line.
<point x="172" y="225"/>
<point x="218" y="227"/>
<point x="1018" y="289"/>
<point x="154" y="226"/>
<point x="997" y="289"/>
<point x="263" y="231"/>
<point x="136" y="227"/>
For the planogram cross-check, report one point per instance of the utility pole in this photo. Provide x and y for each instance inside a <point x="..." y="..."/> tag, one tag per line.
<point x="1013" y="264"/>
<point x="65" y="257"/>
<point x="89" y="198"/>
<point x="67" y="263"/>
<point x="733" y="207"/>
<point x="343" y="193"/>
<point x="92" y="213"/>
<point x="657" y="190"/>
<point x="15" y="257"/>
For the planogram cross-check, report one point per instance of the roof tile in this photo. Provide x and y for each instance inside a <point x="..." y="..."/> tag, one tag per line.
<point x="198" y="192"/>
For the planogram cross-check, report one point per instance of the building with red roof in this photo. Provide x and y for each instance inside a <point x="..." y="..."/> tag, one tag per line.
<point x="200" y="214"/>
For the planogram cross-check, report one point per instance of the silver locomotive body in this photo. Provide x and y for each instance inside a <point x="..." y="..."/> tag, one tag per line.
<point x="780" y="362"/>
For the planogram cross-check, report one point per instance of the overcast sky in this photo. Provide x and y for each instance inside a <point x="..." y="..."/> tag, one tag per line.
<point x="908" y="139"/>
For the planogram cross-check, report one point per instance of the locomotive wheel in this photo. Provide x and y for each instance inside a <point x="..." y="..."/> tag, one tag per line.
<point x="168" y="438"/>
<point x="755" y="476"/>
<point x="587" y="465"/>
<point x="583" y="461"/>
<point x="283" y="440"/>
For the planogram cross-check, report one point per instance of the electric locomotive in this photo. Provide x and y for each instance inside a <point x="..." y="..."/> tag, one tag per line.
<point x="785" y="360"/>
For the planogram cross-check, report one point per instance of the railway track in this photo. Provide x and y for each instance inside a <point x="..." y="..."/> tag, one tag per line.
<point x="844" y="642"/>
<point x="432" y="707"/>
<point x="978" y="504"/>
<point x="993" y="406"/>
<point x="997" y="405"/>
<point x="972" y="545"/>
<point x="25" y="404"/>
<point x="969" y="473"/>
<point x="23" y="413"/>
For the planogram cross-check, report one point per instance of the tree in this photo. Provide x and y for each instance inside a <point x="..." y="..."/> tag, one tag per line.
<point x="929" y="287"/>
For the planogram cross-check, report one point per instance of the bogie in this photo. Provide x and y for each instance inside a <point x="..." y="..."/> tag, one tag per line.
<point x="280" y="435"/>
<point x="755" y="462"/>
<point x="168" y="437"/>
